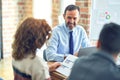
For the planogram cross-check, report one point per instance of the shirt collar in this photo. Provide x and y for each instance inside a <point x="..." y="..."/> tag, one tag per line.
<point x="67" y="28"/>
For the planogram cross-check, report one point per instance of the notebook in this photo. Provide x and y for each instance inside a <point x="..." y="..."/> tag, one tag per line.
<point x="66" y="66"/>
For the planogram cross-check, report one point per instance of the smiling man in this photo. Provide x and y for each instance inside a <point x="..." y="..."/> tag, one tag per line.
<point x="68" y="37"/>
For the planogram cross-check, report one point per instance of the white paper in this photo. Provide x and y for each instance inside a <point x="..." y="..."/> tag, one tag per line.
<point x="118" y="59"/>
<point x="66" y="66"/>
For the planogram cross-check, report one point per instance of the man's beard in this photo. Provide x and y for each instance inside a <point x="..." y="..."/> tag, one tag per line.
<point x="71" y="25"/>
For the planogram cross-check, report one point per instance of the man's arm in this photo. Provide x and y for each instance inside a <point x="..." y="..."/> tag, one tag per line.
<point x="51" y="50"/>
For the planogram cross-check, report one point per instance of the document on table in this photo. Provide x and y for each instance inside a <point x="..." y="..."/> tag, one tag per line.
<point x="66" y="66"/>
<point x="118" y="59"/>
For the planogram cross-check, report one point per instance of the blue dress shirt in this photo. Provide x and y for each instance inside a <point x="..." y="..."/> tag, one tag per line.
<point x="58" y="44"/>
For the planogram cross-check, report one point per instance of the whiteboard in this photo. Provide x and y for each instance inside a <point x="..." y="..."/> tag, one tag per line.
<point x="103" y="11"/>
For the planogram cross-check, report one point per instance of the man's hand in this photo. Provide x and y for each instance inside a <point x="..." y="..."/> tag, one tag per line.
<point x="76" y="54"/>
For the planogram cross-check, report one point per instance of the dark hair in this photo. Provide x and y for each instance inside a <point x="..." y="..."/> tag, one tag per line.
<point x="110" y="38"/>
<point x="71" y="7"/>
<point x="30" y="35"/>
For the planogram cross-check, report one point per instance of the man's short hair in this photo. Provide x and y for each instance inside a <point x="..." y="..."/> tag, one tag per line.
<point x="72" y="7"/>
<point x="109" y="38"/>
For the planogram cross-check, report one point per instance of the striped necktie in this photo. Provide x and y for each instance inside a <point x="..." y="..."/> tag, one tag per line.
<point x="71" y="45"/>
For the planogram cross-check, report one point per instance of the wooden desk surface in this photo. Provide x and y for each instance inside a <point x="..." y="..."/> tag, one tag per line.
<point x="56" y="75"/>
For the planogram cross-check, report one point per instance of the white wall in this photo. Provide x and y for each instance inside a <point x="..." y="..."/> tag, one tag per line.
<point x="103" y="11"/>
<point x="42" y="9"/>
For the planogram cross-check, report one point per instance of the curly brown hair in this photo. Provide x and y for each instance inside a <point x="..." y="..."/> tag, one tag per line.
<point x="31" y="34"/>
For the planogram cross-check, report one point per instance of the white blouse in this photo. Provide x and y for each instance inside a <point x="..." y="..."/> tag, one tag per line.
<point x="37" y="67"/>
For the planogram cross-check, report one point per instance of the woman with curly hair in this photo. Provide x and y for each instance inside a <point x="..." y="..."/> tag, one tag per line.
<point x="31" y="34"/>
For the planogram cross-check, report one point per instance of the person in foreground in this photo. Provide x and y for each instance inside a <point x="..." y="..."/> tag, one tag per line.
<point x="31" y="34"/>
<point x="59" y="44"/>
<point x="100" y="65"/>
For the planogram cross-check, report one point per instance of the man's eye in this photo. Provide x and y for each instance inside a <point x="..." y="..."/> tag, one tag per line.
<point x="69" y="17"/>
<point x="75" y="18"/>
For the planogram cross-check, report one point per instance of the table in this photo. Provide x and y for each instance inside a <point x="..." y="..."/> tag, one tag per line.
<point x="56" y="75"/>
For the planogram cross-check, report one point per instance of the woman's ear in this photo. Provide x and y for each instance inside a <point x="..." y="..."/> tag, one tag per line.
<point x="98" y="44"/>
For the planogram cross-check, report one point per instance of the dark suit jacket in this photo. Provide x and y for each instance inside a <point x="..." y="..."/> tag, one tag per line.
<point x="97" y="66"/>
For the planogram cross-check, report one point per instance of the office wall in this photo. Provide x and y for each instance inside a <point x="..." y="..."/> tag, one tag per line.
<point x="102" y="12"/>
<point x="13" y="11"/>
<point x="55" y="12"/>
<point x="85" y="8"/>
<point x="42" y="9"/>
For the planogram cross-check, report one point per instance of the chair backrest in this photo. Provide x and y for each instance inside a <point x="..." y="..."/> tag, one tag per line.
<point x="86" y="51"/>
<point x="20" y="75"/>
<point x="44" y="55"/>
